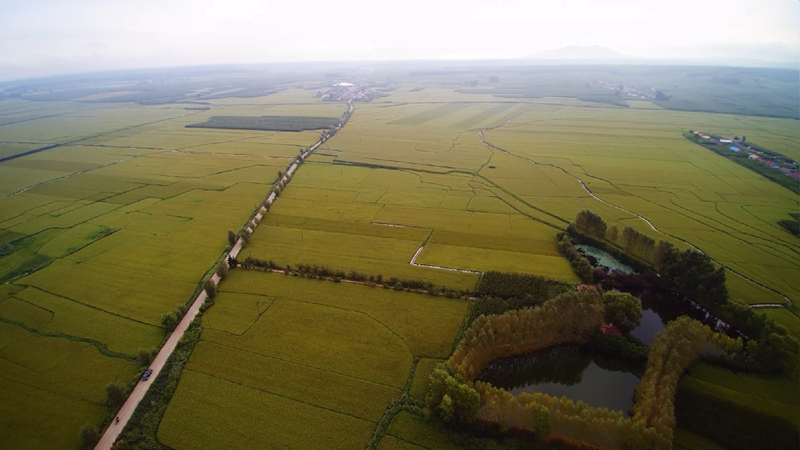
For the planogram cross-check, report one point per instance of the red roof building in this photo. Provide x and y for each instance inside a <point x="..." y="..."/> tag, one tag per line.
<point x="611" y="329"/>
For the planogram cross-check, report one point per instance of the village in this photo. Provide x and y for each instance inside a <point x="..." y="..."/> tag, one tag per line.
<point x="632" y="92"/>
<point x="737" y="145"/>
<point x="345" y="91"/>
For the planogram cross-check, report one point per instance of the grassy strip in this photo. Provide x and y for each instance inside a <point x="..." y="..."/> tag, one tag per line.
<point x="101" y="347"/>
<point x="402" y="403"/>
<point x="142" y="428"/>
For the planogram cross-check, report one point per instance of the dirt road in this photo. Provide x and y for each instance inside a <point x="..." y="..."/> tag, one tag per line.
<point x="113" y="431"/>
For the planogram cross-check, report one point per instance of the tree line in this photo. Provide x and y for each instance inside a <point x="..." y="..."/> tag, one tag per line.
<point x="694" y="274"/>
<point x="454" y="398"/>
<point x="516" y="285"/>
<point x="568" y="318"/>
<point x="325" y="272"/>
<point x="580" y="264"/>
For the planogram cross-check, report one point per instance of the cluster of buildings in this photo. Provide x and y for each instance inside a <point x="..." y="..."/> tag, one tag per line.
<point x="345" y="91"/>
<point x="736" y="145"/>
<point x="631" y="91"/>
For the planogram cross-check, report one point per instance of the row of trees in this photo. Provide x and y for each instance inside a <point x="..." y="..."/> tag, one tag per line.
<point x="582" y="267"/>
<point x="518" y="285"/>
<point x="555" y="419"/>
<point x="561" y="420"/>
<point x="324" y="272"/>
<point x="171" y="319"/>
<point x="771" y="347"/>
<point x="670" y="354"/>
<point x="568" y="318"/>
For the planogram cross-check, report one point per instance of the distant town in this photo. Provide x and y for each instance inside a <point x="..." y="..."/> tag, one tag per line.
<point x="632" y="92"/>
<point x="346" y="91"/>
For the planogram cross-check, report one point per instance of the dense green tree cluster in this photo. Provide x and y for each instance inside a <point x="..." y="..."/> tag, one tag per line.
<point x="494" y="306"/>
<point x="583" y="268"/>
<point x="638" y="244"/>
<point x="450" y="398"/>
<point x="693" y="273"/>
<point x="771" y="347"/>
<point x="568" y="318"/>
<point x="519" y="285"/>
<point x="622" y="309"/>
<point x="591" y="224"/>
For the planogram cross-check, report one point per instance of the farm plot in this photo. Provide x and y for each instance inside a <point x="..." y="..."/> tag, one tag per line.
<point x="102" y="235"/>
<point x="374" y="220"/>
<point x="316" y="363"/>
<point x="267" y="123"/>
<point x="640" y="162"/>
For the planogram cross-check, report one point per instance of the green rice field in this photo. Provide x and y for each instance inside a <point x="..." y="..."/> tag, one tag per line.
<point x="125" y="210"/>
<point x="103" y="234"/>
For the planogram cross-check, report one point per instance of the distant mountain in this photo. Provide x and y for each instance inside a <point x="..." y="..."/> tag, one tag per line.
<point x="595" y="54"/>
<point x="577" y="52"/>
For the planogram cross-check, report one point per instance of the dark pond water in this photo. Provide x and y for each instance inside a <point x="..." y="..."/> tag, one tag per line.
<point x="660" y="308"/>
<point x="566" y="371"/>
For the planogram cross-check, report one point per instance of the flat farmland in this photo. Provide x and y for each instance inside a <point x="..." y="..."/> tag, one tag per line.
<point x="126" y="210"/>
<point x="374" y="220"/>
<point x="316" y="366"/>
<point x="100" y="236"/>
<point x="635" y="160"/>
<point x="639" y="161"/>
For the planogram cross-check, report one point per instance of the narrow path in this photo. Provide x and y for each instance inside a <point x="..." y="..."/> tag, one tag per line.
<point x="413" y="262"/>
<point x="644" y="219"/>
<point x="126" y="411"/>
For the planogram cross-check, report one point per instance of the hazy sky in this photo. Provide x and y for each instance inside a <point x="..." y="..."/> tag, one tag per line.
<point x="44" y="37"/>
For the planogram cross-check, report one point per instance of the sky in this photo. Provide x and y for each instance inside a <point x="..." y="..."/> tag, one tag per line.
<point x="49" y="37"/>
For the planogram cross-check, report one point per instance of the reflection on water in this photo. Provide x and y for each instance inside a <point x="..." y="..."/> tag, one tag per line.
<point x="566" y="371"/>
<point x="660" y="308"/>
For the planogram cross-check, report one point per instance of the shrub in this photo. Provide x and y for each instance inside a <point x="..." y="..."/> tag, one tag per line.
<point x="146" y="356"/>
<point x="115" y="394"/>
<point x="231" y="238"/>
<point x="169" y="321"/>
<point x="222" y="270"/>
<point x="89" y="435"/>
<point x="210" y="288"/>
<point x="622" y="309"/>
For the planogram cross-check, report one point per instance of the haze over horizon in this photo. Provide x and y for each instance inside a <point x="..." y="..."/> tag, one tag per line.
<point x="45" y="37"/>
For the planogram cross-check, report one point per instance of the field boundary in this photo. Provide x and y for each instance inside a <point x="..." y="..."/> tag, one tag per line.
<point x="647" y="221"/>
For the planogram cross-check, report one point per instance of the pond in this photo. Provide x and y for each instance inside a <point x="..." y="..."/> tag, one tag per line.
<point x="600" y="258"/>
<point x="660" y="308"/>
<point x="568" y="371"/>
